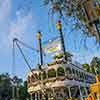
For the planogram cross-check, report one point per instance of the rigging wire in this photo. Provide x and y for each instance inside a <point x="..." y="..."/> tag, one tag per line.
<point x="29" y="47"/>
<point x="25" y="59"/>
<point x="13" y="70"/>
<point x="13" y="57"/>
<point x="28" y="65"/>
<point x="23" y="56"/>
<point x="26" y="45"/>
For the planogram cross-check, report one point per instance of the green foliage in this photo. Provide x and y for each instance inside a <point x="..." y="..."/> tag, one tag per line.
<point x="86" y="67"/>
<point x="17" y="80"/>
<point x="60" y="71"/>
<point x="73" y="9"/>
<point x="94" y="66"/>
<point x="6" y="84"/>
<point x="60" y="55"/>
<point x="51" y="73"/>
<point x="23" y="91"/>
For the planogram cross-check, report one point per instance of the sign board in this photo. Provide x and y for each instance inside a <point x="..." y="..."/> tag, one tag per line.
<point x="53" y="46"/>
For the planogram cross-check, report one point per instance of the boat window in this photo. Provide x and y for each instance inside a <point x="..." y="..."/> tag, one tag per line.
<point x="66" y="92"/>
<point x="60" y="71"/>
<point x="40" y="76"/>
<point x="84" y="76"/>
<point x="68" y="70"/>
<point x="73" y="70"/>
<point x="75" y="92"/>
<point x="81" y="75"/>
<point x="33" y="96"/>
<point x="44" y="75"/>
<point x="51" y="73"/>
<point x="36" y="76"/>
<point x="28" y="79"/>
<point x="77" y="72"/>
<point x="32" y="78"/>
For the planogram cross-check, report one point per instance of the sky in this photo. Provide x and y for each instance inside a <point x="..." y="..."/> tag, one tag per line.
<point x="22" y="19"/>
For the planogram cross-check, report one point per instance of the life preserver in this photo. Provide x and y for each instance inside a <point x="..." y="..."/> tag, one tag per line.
<point x="90" y="97"/>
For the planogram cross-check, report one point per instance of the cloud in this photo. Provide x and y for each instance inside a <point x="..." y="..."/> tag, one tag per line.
<point x="12" y="27"/>
<point x="12" y="24"/>
<point x="5" y="8"/>
<point x="85" y="57"/>
<point x="19" y="26"/>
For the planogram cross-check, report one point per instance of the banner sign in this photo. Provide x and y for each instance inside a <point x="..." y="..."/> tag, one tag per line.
<point x="53" y="46"/>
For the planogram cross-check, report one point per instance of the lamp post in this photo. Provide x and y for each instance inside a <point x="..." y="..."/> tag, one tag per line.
<point x="59" y="27"/>
<point x="39" y="35"/>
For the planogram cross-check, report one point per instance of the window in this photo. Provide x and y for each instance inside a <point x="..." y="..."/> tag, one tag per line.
<point x="44" y="75"/>
<point x="51" y="73"/>
<point x="60" y="71"/>
<point x="68" y="71"/>
<point x="40" y="76"/>
<point x="32" y="78"/>
<point x="36" y="76"/>
<point x="28" y="79"/>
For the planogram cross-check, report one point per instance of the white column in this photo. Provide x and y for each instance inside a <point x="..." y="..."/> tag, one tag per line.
<point x="53" y="92"/>
<point x="69" y="92"/>
<point x="35" y="96"/>
<point x="86" y="91"/>
<point x="31" y="97"/>
<point x="80" y="93"/>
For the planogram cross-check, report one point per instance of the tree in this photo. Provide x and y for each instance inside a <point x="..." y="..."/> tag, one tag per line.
<point x="5" y="87"/>
<point x="70" y="8"/>
<point x="21" y="88"/>
<point x="87" y="67"/>
<point x="6" y="84"/>
<point x="17" y="81"/>
<point x="79" y="12"/>
<point x="95" y="64"/>
<point x="23" y="91"/>
<point x="60" y="56"/>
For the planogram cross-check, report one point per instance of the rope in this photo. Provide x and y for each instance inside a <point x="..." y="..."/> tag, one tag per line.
<point x="23" y="56"/>
<point x="43" y="87"/>
<point x="27" y="46"/>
